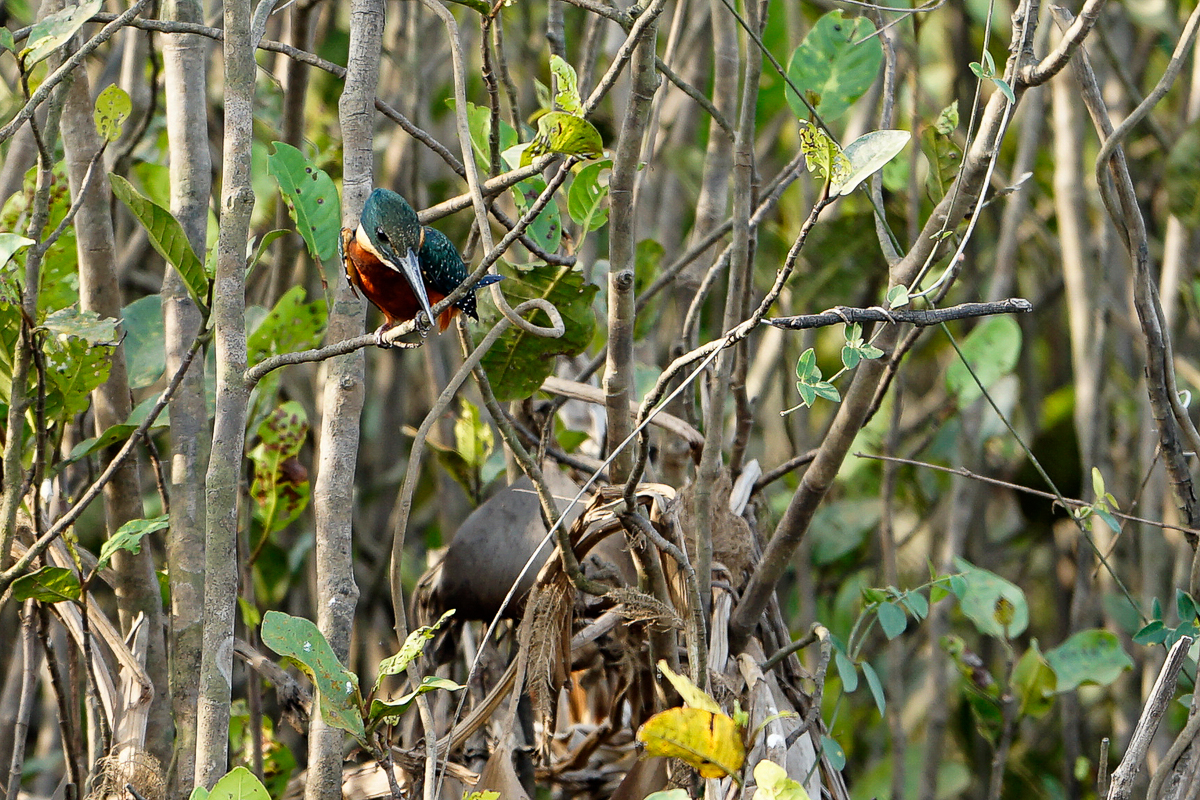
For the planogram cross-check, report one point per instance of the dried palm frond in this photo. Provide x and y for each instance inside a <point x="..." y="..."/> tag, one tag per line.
<point x="134" y="770"/>
<point x="545" y="641"/>
<point x="637" y="606"/>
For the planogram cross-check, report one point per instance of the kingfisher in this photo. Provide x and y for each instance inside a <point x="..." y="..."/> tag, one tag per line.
<point x="402" y="267"/>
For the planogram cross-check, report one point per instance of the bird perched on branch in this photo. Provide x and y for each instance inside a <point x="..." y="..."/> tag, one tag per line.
<point x="402" y="267"/>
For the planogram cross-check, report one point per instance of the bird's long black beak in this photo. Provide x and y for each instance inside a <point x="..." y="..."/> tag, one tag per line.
<point x="411" y="269"/>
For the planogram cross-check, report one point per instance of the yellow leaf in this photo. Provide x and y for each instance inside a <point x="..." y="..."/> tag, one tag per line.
<point x="774" y="784"/>
<point x="692" y="694"/>
<point x="709" y="742"/>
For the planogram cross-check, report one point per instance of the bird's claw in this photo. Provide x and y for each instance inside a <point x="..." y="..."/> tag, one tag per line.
<point x="423" y="324"/>
<point x="380" y="337"/>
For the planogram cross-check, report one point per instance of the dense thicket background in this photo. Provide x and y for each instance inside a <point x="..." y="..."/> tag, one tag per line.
<point x="935" y="687"/>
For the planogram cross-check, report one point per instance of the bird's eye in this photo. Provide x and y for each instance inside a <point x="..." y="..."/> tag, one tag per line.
<point x="382" y="234"/>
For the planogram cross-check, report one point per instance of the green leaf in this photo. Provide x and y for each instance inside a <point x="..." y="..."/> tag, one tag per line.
<point x="978" y="602"/>
<point x="281" y="487"/>
<point x="585" y="200"/>
<point x="6" y="40"/>
<point x="834" y="752"/>
<point x="846" y="671"/>
<point x="774" y="784"/>
<point x="479" y="121"/>
<point x="198" y="793"/>
<point x="129" y="537"/>
<point x="1034" y="681"/>
<point x="391" y="709"/>
<point x="834" y="65"/>
<point x="875" y="686"/>
<point x="117" y="433"/>
<point x="413" y="646"/>
<point x="473" y="438"/>
<point x="112" y="109"/>
<point x="828" y="391"/>
<point x="166" y="236"/>
<point x="916" y="603"/>
<point x="145" y="341"/>
<point x="867" y="154"/>
<point x="291" y="325"/>
<point x="12" y="243"/>
<point x="566" y="94"/>
<point x="944" y="159"/>
<point x="992" y="350"/>
<point x="892" y="620"/>
<point x="897" y="297"/>
<point x="822" y="154"/>
<point x="1181" y="176"/>
<point x="947" y="120"/>
<point x="300" y="640"/>
<point x="546" y="228"/>
<point x="78" y="359"/>
<point x="47" y="585"/>
<point x="311" y="197"/>
<point x="519" y="361"/>
<point x="1185" y="606"/>
<point x="569" y="135"/>
<point x="1006" y="90"/>
<point x="666" y="794"/>
<point x="238" y="784"/>
<point x="1093" y="656"/>
<point x="55" y="30"/>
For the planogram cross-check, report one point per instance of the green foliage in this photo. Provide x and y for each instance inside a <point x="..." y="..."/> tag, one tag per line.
<point x="1034" y="681"/>
<point x="566" y="94"/>
<point x="58" y="282"/>
<point x="237" y="784"/>
<point x="565" y="134"/>
<point x="984" y="590"/>
<point x="1091" y="656"/>
<point x="1102" y="507"/>
<point x="941" y="151"/>
<point x="987" y="71"/>
<point x="54" y="30"/>
<point x="414" y="645"/>
<point x="129" y="537"/>
<point x="167" y="237"/>
<point x="809" y="383"/>
<point x="390" y="710"/>
<point x="519" y="361"/>
<point x="145" y="341"/>
<point x="834" y="65"/>
<point x="991" y="350"/>
<point x="112" y="108"/>
<point x="822" y="154"/>
<point x="47" y="585"/>
<point x="585" y="199"/>
<point x="546" y="228"/>
<point x="855" y="349"/>
<point x="866" y="155"/>
<point x="311" y="198"/>
<point x="11" y="244"/>
<point x="774" y="784"/>
<point x="78" y="353"/>
<point x="300" y="640"/>
<point x="668" y="794"/>
<point x="473" y="445"/>
<point x="280" y="488"/>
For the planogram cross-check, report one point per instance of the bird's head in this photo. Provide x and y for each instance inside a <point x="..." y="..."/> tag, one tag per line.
<point x="391" y="230"/>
